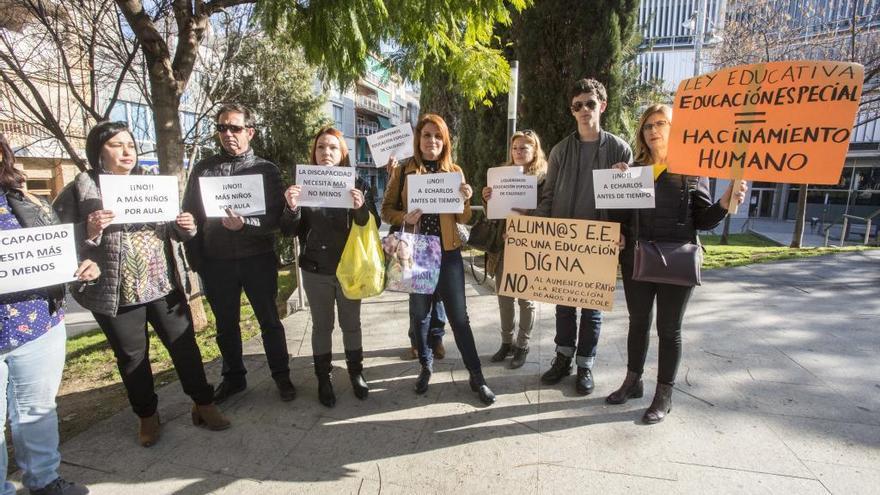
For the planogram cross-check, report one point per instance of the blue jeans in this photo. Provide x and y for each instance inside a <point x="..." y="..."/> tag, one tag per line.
<point x="450" y="290"/>
<point x="436" y="330"/>
<point x="29" y="380"/>
<point x="585" y="336"/>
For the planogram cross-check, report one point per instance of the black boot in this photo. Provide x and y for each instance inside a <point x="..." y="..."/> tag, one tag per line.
<point x="559" y="369"/>
<point x="355" y="362"/>
<point x="323" y="370"/>
<point x="584" y="382"/>
<point x="632" y="388"/>
<point x="423" y="379"/>
<point x="502" y="353"/>
<point x="519" y="357"/>
<point x="661" y="405"/>
<point x="478" y="385"/>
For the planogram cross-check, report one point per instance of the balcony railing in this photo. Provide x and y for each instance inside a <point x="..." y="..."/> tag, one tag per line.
<point x="363" y="129"/>
<point x="366" y="103"/>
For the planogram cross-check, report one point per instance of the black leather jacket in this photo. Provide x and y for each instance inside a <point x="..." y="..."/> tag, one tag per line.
<point x="30" y="214"/>
<point x="258" y="235"/>
<point x="323" y="232"/>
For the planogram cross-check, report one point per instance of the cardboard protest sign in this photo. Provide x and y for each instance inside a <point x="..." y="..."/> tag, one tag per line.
<point x="776" y="122"/>
<point x="327" y="187"/>
<point x="141" y="198"/>
<point x="561" y="261"/>
<point x="37" y="257"/>
<point x="631" y="189"/>
<point x="434" y="193"/>
<point x="243" y="194"/>
<point x="510" y="189"/>
<point x="396" y="142"/>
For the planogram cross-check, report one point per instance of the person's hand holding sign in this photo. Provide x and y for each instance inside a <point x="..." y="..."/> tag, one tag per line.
<point x="232" y="220"/>
<point x="88" y="270"/>
<point x="739" y="196"/>
<point x="186" y="221"/>
<point x="358" y="198"/>
<point x="291" y="195"/>
<point x="391" y="165"/>
<point x="466" y="191"/>
<point x="487" y="194"/>
<point x="97" y="221"/>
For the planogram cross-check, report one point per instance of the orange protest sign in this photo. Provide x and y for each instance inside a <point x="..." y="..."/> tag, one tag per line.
<point x="776" y="122"/>
<point x="561" y="261"/>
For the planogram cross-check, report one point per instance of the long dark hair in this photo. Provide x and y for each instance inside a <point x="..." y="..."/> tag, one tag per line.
<point x="100" y="134"/>
<point x="10" y="178"/>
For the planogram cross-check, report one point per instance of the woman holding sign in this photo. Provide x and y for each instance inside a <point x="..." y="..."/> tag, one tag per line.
<point x="525" y="152"/>
<point x="144" y="281"/>
<point x="323" y="233"/>
<point x="433" y="155"/>
<point x="682" y="207"/>
<point x="32" y="338"/>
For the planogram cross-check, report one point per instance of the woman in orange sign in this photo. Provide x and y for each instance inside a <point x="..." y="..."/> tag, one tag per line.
<point x="682" y="207"/>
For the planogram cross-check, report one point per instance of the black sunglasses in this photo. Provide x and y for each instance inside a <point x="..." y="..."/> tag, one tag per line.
<point x="578" y="105"/>
<point x="235" y="129"/>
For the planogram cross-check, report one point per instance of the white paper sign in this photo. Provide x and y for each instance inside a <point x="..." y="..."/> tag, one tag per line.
<point x="510" y="189"/>
<point x="397" y="142"/>
<point x="36" y="257"/>
<point x="243" y="194"/>
<point x="141" y="198"/>
<point x="631" y="189"/>
<point x="327" y="187"/>
<point x="435" y="193"/>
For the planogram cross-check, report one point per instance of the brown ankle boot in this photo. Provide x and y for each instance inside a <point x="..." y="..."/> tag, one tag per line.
<point x="148" y="432"/>
<point x="208" y="416"/>
<point x="661" y="406"/>
<point x="632" y="388"/>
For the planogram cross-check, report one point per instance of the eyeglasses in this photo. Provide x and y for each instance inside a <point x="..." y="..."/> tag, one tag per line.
<point x="579" y="105"/>
<point x="659" y="125"/>
<point x="528" y="132"/>
<point x="235" y="129"/>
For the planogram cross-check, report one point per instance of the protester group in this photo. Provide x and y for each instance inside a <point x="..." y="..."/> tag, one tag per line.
<point x="133" y="275"/>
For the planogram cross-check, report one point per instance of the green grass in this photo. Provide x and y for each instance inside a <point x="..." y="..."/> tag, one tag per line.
<point x="90" y="359"/>
<point x="747" y="249"/>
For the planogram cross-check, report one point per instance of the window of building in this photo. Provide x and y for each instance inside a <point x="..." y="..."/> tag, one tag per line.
<point x="338" y="117"/>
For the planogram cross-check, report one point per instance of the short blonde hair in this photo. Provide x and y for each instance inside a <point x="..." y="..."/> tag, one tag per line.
<point x="643" y="152"/>
<point x="538" y="165"/>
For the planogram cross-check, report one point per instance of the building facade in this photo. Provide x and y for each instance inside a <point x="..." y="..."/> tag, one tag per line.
<point x="668" y="55"/>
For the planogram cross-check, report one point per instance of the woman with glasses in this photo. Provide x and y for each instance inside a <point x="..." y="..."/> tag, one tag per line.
<point x="322" y="234"/>
<point x="144" y="282"/>
<point x="525" y="152"/>
<point x="682" y="207"/>
<point x="433" y="154"/>
<point x="32" y="338"/>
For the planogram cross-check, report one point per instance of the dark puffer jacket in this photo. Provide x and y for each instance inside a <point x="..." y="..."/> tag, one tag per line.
<point x="259" y="231"/>
<point x="682" y="206"/>
<point x="30" y="214"/>
<point x="323" y="232"/>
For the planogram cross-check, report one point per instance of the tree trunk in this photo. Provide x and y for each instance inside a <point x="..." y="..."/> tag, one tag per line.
<point x="725" y="233"/>
<point x="797" y="237"/>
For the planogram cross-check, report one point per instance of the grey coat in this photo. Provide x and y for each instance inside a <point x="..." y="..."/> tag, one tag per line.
<point x="73" y="205"/>
<point x="560" y="193"/>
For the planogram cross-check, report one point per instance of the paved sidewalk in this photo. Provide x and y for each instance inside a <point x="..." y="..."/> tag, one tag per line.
<point x="778" y="392"/>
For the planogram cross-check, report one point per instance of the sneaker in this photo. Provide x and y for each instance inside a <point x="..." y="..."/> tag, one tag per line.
<point x="60" y="486"/>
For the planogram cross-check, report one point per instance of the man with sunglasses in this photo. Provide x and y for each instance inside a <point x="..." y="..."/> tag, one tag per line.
<point x="568" y="193"/>
<point x="236" y="252"/>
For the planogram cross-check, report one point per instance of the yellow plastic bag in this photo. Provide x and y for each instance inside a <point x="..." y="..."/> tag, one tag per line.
<point x="361" y="270"/>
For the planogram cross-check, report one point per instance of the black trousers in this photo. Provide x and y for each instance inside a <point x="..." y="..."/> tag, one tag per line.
<point x="671" y="304"/>
<point x="171" y="319"/>
<point x="223" y="282"/>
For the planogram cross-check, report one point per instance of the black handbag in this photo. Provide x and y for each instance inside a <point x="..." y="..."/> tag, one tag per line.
<point x="668" y="262"/>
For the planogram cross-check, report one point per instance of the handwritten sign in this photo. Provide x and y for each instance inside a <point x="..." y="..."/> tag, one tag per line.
<point x="243" y="194"/>
<point x="141" y="198"/>
<point x="631" y="189"/>
<point x="328" y="187"/>
<point x="396" y="142"/>
<point x="561" y="261"/>
<point x="510" y="189"/>
<point x="776" y="122"/>
<point x="37" y="257"/>
<point x="435" y="193"/>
